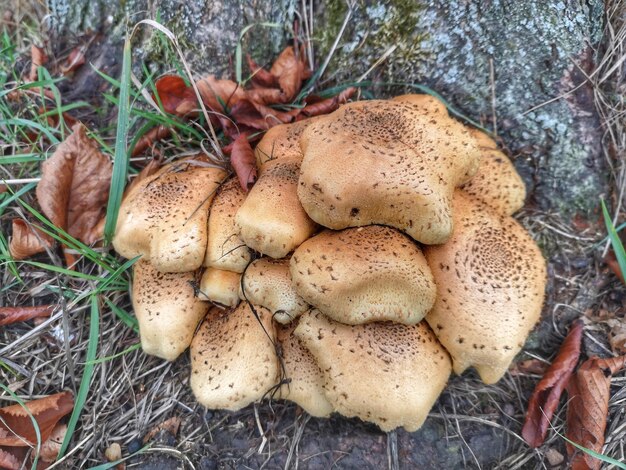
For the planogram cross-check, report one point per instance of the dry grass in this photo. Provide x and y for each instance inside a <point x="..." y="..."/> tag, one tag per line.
<point x="131" y="393"/>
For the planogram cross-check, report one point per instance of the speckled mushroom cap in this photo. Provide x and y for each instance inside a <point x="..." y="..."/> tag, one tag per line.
<point x="429" y="103"/>
<point x="305" y="384"/>
<point x="491" y="278"/>
<point x="386" y="162"/>
<point x="233" y="360"/>
<point x="282" y="141"/>
<point x="364" y="274"/>
<point x="385" y="373"/>
<point x="166" y="308"/>
<point x="225" y="250"/>
<point x="164" y="217"/>
<point x="271" y="219"/>
<point x="497" y="182"/>
<point x="220" y="286"/>
<point x="267" y="282"/>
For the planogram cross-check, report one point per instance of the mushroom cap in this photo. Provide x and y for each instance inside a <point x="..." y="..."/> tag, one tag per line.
<point x="306" y="381"/>
<point x="491" y="277"/>
<point x="364" y="274"/>
<point x="282" y="141"/>
<point x="164" y="217"/>
<point x="496" y="182"/>
<point x="166" y="308"/>
<point x="386" y="162"/>
<point x="271" y="219"/>
<point x="225" y="250"/>
<point x="220" y="286"/>
<point x="428" y="102"/>
<point x="385" y="373"/>
<point x="233" y="358"/>
<point x="267" y="282"/>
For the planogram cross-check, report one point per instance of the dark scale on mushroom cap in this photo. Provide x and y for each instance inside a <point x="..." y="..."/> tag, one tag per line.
<point x="385" y="162"/>
<point x="225" y="250"/>
<point x="166" y="309"/>
<point x="364" y="274"/>
<point x="271" y="219"/>
<point x="233" y="361"/>
<point x="495" y="280"/>
<point x="164" y="217"/>
<point x="383" y="372"/>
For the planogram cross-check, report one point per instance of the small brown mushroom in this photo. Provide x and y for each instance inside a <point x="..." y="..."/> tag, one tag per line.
<point x="386" y="162"/>
<point x="166" y="308"/>
<point x="271" y="219"/>
<point x="304" y="379"/>
<point x="496" y="182"/>
<point x="233" y="358"/>
<point x="220" y="286"/>
<point x="491" y="277"/>
<point x="282" y="141"/>
<point x="164" y="217"/>
<point x="267" y="282"/>
<point x="364" y="274"/>
<point x="225" y="250"/>
<point x="385" y="373"/>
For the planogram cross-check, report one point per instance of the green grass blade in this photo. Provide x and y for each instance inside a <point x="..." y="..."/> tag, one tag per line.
<point x="83" y="390"/>
<point x="134" y="347"/>
<point x="618" y="247"/>
<point x="120" y="164"/>
<point x="125" y="318"/>
<point x="601" y="457"/>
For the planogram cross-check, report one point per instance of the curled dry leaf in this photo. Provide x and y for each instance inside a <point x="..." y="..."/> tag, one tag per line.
<point x="219" y="95"/>
<point x="74" y="61"/>
<point x="10" y="315"/>
<point x="328" y="105"/>
<point x="243" y="162"/>
<point x="16" y="427"/>
<point x="260" y="76"/>
<point x="613" y="265"/>
<point x="589" y="391"/>
<point x="175" y="96"/>
<point x="155" y="134"/>
<point x="27" y="240"/>
<point x="74" y="186"/>
<point x="290" y="70"/>
<point x="38" y="58"/>
<point x="545" y="397"/>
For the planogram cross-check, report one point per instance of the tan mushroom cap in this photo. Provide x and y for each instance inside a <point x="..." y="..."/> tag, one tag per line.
<point x="271" y="219"/>
<point x="220" y="286"/>
<point x="306" y="381"/>
<point x="282" y="141"/>
<point x="166" y="308"/>
<point x="164" y="217"/>
<point x="233" y="361"/>
<point x="225" y="250"/>
<point x="386" y="162"/>
<point x="491" y="277"/>
<point x="364" y="274"/>
<point x="385" y="373"/>
<point x="267" y="282"/>
<point x="497" y="182"/>
<point x="428" y="102"/>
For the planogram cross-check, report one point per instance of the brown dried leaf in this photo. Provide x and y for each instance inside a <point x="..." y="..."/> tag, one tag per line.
<point x="38" y="58"/>
<point x="27" y="240"/>
<point x="266" y="96"/>
<point x="170" y="425"/>
<point x="8" y="461"/>
<point x="51" y="447"/>
<point x="243" y="162"/>
<point x="74" y="60"/>
<point x="10" y="315"/>
<point x="613" y="265"/>
<point x="74" y="185"/>
<point x="16" y="427"/>
<point x="260" y="76"/>
<point x="290" y="72"/>
<point x="328" y="105"/>
<point x="589" y="392"/>
<point x="545" y="397"/>
<point x="219" y="95"/>
<point x="529" y="366"/>
<point x="175" y="96"/>
<point x="617" y="335"/>
<point x="155" y="134"/>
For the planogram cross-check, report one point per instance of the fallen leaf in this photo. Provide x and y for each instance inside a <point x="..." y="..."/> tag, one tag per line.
<point x="243" y="161"/>
<point x="52" y="446"/>
<point x="545" y="397"/>
<point x="74" y="61"/>
<point x="613" y="265"/>
<point x="529" y="366"/>
<point x="219" y="95"/>
<point x="175" y="96"/>
<point x="170" y="425"/>
<point x="38" y="58"/>
<point x="155" y="134"/>
<point x="260" y="76"/>
<point x="328" y="105"/>
<point x="10" y="315"/>
<point x="74" y="186"/>
<point x="27" y="240"/>
<point x="8" y="461"/>
<point x="589" y="392"/>
<point x="617" y="335"/>
<point x="266" y="96"/>
<point x="16" y="427"/>
<point x="290" y="71"/>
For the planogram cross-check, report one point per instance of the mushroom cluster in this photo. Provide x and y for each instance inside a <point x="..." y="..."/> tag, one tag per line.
<point x="375" y="254"/>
